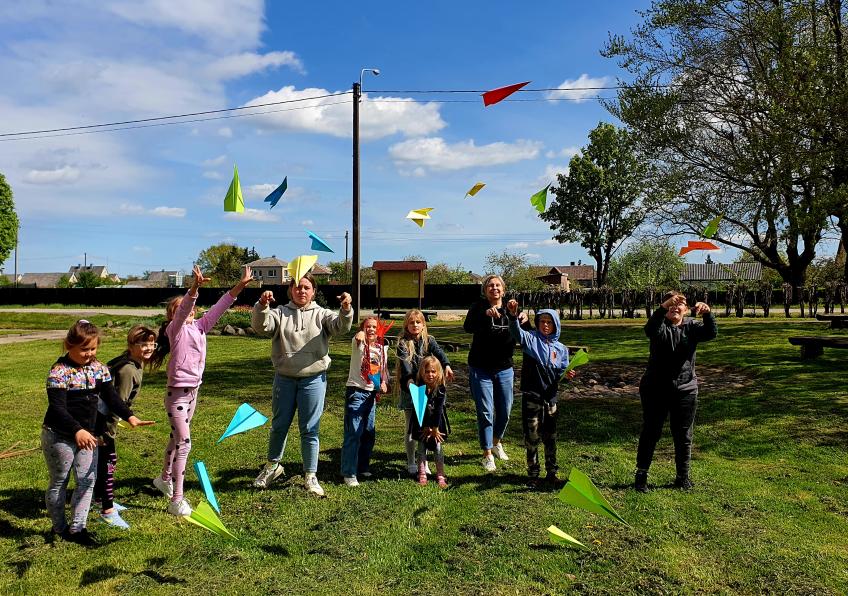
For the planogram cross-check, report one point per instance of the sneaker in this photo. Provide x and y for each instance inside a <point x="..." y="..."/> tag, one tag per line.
<point x="412" y="469"/>
<point x="351" y="481"/>
<point x="489" y="463"/>
<point x="166" y="487"/>
<point x="684" y="483"/>
<point x="181" y="508"/>
<point x="83" y="538"/>
<point x="269" y="473"/>
<point x="552" y="478"/>
<point x="118" y="507"/>
<point x="498" y="451"/>
<point x="533" y="482"/>
<point x="640" y="482"/>
<point x="443" y="482"/>
<point x="312" y="487"/>
<point x="114" y="519"/>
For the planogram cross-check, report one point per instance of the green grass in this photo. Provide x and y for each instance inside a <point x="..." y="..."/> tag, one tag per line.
<point x="769" y="513"/>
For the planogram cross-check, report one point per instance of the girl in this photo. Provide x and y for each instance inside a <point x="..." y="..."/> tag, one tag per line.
<point x="186" y="339"/>
<point x="75" y="383"/>
<point x="669" y="387"/>
<point x="367" y="379"/>
<point x="431" y="433"/>
<point x="127" y="371"/>
<point x="413" y="345"/>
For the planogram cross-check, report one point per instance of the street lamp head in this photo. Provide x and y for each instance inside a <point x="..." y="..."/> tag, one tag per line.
<point x="375" y="71"/>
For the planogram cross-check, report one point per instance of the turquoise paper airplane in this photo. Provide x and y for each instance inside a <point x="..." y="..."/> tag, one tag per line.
<point x="419" y="401"/>
<point x="244" y="419"/>
<point x="376" y="379"/>
<point x="318" y="244"/>
<point x="277" y="194"/>
<point x="206" y="484"/>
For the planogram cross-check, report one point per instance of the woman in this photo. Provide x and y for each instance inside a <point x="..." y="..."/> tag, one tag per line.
<point x="300" y="339"/>
<point x="490" y="371"/>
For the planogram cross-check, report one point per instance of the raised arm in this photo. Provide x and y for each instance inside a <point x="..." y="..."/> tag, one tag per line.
<point x="338" y="323"/>
<point x="264" y="320"/>
<point x="475" y="319"/>
<point x="708" y="329"/>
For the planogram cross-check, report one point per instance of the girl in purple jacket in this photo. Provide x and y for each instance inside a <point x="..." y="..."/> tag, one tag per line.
<point x="186" y="340"/>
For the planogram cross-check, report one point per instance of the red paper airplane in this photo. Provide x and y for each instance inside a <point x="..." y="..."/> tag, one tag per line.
<point x="496" y="95"/>
<point x="383" y="328"/>
<point x="697" y="245"/>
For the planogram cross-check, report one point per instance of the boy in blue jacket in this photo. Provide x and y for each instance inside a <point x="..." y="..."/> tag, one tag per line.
<point x="545" y="358"/>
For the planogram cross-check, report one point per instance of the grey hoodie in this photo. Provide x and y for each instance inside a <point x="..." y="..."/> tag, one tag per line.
<point x="300" y="337"/>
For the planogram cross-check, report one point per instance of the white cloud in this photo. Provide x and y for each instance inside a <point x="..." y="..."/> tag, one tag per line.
<point x="331" y="115"/>
<point x="63" y="175"/>
<point x="253" y="215"/>
<point x="239" y="65"/>
<point x="434" y="154"/>
<point x="168" y="211"/>
<point x="567" y="152"/>
<point x="548" y="242"/>
<point x="225" y="131"/>
<point x="532" y="255"/>
<point x="518" y="245"/>
<point x="581" y="89"/>
<point x="215" y="161"/>
<point x="550" y="174"/>
<point x="258" y="191"/>
<point x="307" y="222"/>
<point x="131" y="209"/>
<point x="212" y="175"/>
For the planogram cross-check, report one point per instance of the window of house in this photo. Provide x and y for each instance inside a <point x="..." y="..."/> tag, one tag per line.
<point x="272" y="273"/>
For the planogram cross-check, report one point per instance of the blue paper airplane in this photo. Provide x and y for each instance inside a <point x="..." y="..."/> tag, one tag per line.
<point x="203" y="476"/>
<point x="277" y="194"/>
<point x="318" y="244"/>
<point x="376" y="378"/>
<point x="419" y="401"/>
<point x="244" y="419"/>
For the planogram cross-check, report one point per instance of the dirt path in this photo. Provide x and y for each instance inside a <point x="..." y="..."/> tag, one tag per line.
<point x="32" y="336"/>
<point x="130" y="312"/>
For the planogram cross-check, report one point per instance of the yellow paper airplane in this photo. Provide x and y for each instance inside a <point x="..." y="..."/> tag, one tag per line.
<point x="419" y="215"/>
<point x="300" y="266"/>
<point x="475" y="189"/>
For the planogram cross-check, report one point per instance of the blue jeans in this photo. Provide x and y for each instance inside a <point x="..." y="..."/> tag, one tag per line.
<point x="306" y="395"/>
<point x="63" y="458"/>
<point x="359" y="431"/>
<point x="492" y="392"/>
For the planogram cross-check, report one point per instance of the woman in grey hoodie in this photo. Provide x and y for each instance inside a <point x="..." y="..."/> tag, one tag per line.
<point x="300" y="338"/>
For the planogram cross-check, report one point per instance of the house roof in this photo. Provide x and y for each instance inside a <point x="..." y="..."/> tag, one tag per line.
<point x="44" y="280"/>
<point x="319" y="269"/>
<point x="160" y="276"/>
<point x="399" y="265"/>
<point x="721" y="272"/>
<point x="98" y="270"/>
<point x="574" y="272"/>
<point x="267" y="262"/>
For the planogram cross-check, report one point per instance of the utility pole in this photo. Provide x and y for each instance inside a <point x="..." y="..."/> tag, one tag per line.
<point x="346" y="262"/>
<point x="17" y="233"/>
<point x="355" y="279"/>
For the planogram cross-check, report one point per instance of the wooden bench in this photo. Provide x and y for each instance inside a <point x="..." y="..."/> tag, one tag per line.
<point x="836" y="321"/>
<point x="813" y="346"/>
<point x="384" y="313"/>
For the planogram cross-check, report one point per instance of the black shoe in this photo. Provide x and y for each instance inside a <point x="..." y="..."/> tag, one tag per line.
<point x="640" y="483"/>
<point x="684" y="483"/>
<point x="533" y="482"/>
<point x="552" y="479"/>
<point x="83" y="538"/>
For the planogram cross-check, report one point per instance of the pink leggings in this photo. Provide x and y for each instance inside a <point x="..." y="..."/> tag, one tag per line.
<point x="180" y="405"/>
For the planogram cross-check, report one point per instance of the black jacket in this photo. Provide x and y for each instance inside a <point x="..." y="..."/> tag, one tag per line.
<point x="492" y="345"/>
<point x="434" y="416"/>
<point x="672" y="359"/>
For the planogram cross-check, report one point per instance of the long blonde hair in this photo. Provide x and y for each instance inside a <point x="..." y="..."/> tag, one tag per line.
<point x="406" y="340"/>
<point x="440" y="377"/>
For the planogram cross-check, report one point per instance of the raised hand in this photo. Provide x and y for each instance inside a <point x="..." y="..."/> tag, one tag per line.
<point x="701" y="308"/>
<point x="266" y="297"/>
<point x="673" y="301"/>
<point x="512" y="306"/>
<point x="345" y="300"/>
<point x="247" y="276"/>
<point x="199" y="280"/>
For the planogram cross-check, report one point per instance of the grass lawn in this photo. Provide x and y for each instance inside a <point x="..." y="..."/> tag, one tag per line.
<point x="769" y="513"/>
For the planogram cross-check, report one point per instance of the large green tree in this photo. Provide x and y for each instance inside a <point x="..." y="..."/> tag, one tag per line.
<point x="515" y="269"/>
<point x="646" y="263"/>
<point x="743" y="106"/>
<point x="8" y="220"/>
<point x="442" y="273"/>
<point x="603" y="198"/>
<point x="223" y="262"/>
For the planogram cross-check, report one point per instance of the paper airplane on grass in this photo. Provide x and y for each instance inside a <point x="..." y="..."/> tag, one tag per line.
<point x="277" y="193"/>
<point x="419" y="215"/>
<point x="540" y="199"/>
<point x="244" y="419"/>
<point x="206" y="484"/>
<point x="580" y="492"/>
<point x="559" y="537"/>
<point x="318" y="244"/>
<point x="712" y="227"/>
<point x="475" y="189"/>
<point x="579" y="359"/>
<point x="234" y="201"/>
<point x="204" y="516"/>
<point x="697" y="245"/>
<point x="495" y="95"/>
<point x="300" y="266"/>
<point x="419" y="401"/>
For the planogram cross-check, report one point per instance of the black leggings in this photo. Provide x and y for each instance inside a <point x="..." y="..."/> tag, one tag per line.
<point x="107" y="459"/>
<point x="679" y="406"/>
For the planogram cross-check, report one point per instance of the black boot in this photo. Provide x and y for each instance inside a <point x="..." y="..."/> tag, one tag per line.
<point x="640" y="483"/>
<point x="684" y="483"/>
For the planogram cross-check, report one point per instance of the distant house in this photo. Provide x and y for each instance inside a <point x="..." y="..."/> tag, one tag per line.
<point x="44" y="280"/>
<point x="165" y="279"/>
<point x="566" y="275"/>
<point x="98" y="270"/>
<point x="320" y="272"/>
<point x="712" y="273"/>
<point x="271" y="270"/>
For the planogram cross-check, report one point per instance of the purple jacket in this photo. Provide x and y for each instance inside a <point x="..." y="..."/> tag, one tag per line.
<point x="188" y="341"/>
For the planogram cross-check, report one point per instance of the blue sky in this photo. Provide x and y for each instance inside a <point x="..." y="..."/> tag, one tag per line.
<point x="152" y="198"/>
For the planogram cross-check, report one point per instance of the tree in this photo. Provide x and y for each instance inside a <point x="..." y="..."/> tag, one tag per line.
<point x="223" y="262"/>
<point x="87" y="279"/>
<point x="442" y="273"/>
<point x="743" y="106"/>
<point x="604" y="197"/>
<point x="8" y="220"/>
<point x="514" y="269"/>
<point x="649" y="263"/>
<point x="413" y="258"/>
<point x="340" y="271"/>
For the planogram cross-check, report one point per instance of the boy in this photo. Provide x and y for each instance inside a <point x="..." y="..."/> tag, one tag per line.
<point x="544" y="360"/>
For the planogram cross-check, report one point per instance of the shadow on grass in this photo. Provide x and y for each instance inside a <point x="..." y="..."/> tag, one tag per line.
<point x="23" y="503"/>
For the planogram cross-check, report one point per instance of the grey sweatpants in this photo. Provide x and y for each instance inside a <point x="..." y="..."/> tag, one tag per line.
<point x="62" y="456"/>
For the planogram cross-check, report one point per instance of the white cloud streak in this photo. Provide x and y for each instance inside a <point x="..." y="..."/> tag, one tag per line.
<point x="581" y="89"/>
<point x="435" y="154"/>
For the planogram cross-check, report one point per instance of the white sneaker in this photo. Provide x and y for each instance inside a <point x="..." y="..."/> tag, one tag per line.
<point x="312" y="487"/>
<point x="166" y="487"/>
<point x="412" y="469"/>
<point x="426" y="468"/>
<point x="269" y="473"/>
<point x="489" y="463"/>
<point x="498" y="451"/>
<point x="351" y="481"/>
<point x="181" y="508"/>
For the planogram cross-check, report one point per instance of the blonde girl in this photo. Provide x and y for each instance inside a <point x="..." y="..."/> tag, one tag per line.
<point x="433" y="430"/>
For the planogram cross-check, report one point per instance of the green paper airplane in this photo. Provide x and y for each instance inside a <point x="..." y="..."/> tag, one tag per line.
<point x="204" y="516"/>
<point x="540" y="199"/>
<point x="580" y="492"/>
<point x="234" y="201"/>
<point x="579" y="359"/>
<point x="557" y="536"/>
<point x="712" y="227"/>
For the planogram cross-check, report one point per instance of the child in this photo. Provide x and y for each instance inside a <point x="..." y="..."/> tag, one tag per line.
<point x="544" y="360"/>
<point x="127" y="371"/>
<point x="413" y="345"/>
<point x="75" y="383"/>
<point x="669" y="387"/>
<point x="367" y="379"/>
<point x="186" y="339"/>
<point x="433" y="430"/>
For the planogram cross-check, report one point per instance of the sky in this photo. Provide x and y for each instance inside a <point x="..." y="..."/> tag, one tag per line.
<point x="151" y="198"/>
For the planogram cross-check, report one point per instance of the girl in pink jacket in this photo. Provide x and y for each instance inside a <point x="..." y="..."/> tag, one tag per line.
<point x="186" y="341"/>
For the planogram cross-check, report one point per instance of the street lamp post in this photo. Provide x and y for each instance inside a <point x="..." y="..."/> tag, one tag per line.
<point x="355" y="278"/>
